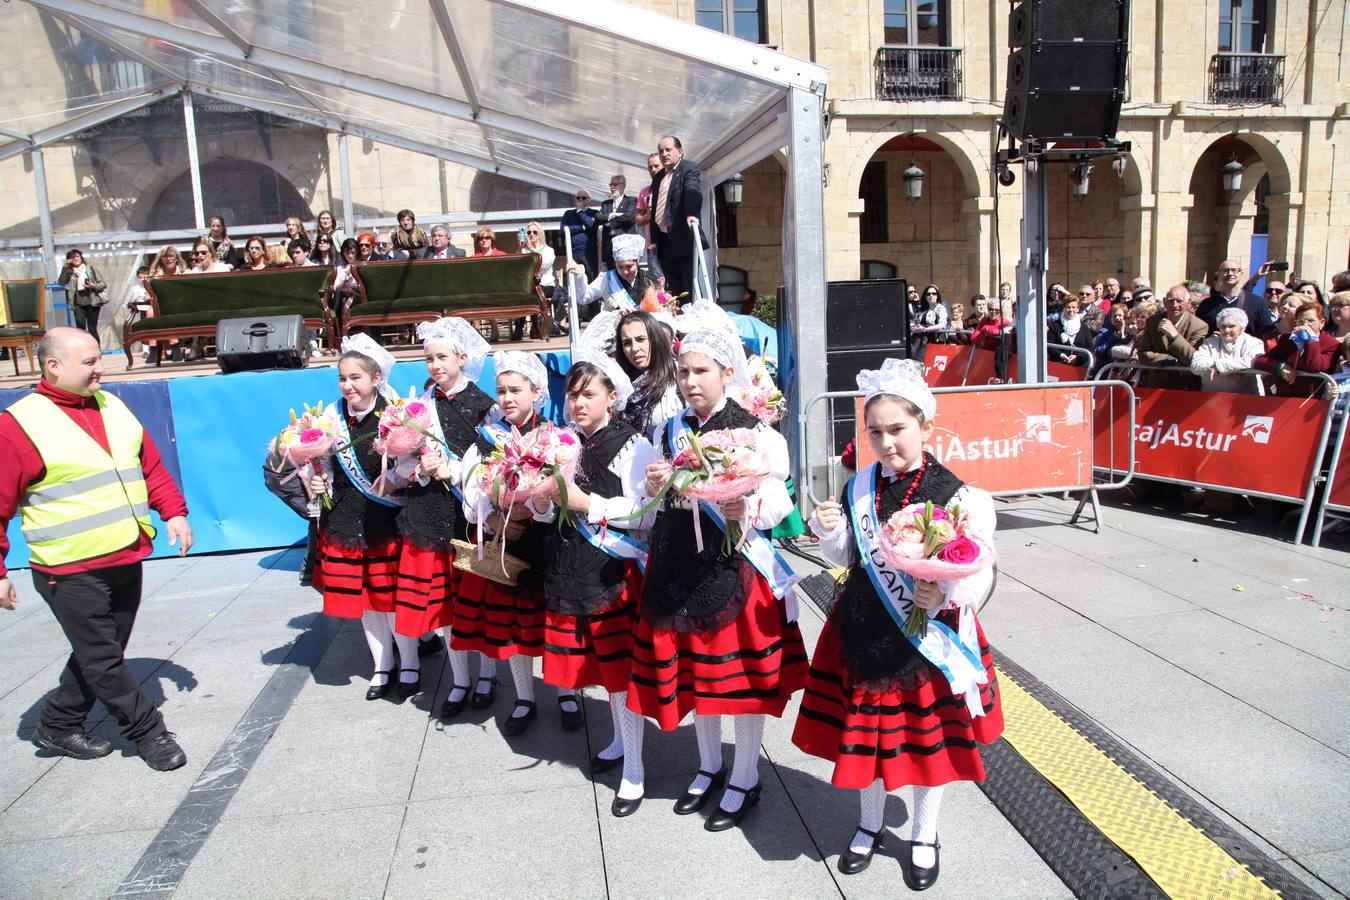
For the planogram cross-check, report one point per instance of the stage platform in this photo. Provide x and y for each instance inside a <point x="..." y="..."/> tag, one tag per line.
<point x="1193" y="671"/>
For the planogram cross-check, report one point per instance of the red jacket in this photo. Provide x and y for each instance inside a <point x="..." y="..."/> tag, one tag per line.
<point x="21" y="465"/>
<point x="1316" y="356"/>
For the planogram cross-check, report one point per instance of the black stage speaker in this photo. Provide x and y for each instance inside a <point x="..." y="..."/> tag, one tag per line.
<point x="865" y="322"/>
<point x="267" y="342"/>
<point x="1066" y="73"/>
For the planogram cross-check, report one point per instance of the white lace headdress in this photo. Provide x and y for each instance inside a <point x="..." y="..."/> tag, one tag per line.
<point x="899" y="378"/>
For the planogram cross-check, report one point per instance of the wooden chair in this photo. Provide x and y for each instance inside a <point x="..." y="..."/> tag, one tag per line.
<point x="25" y="318"/>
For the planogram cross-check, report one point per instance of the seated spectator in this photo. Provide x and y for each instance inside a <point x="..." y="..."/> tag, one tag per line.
<point x="326" y="225"/>
<point x="220" y="242"/>
<point x="345" y="287"/>
<point x="408" y="236"/>
<point x="485" y="243"/>
<point x="1226" y="352"/>
<point x="1169" y="340"/>
<point x="1284" y="323"/>
<point x="1308" y="348"/>
<point x="440" y="248"/>
<point x="255" y="255"/>
<point x="299" y="255"/>
<point x="295" y="231"/>
<point x="1069" y="329"/>
<point x="1114" y="333"/>
<point x="365" y="247"/>
<point x="139" y="307"/>
<point x="385" y="249"/>
<point x="204" y="259"/>
<point x="324" y="253"/>
<point x="167" y="262"/>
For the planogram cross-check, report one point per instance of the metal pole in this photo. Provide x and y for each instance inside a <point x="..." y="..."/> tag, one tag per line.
<point x="44" y="215"/>
<point x="348" y="220"/>
<point x="1031" y="266"/>
<point x="194" y="167"/>
<point x="575" y="291"/>
<point x="803" y="309"/>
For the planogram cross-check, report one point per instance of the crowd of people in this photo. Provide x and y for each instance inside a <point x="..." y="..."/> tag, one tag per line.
<point x="1195" y="337"/>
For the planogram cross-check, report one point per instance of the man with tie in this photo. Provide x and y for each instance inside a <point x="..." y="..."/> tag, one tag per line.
<point x="440" y="245"/>
<point x="618" y="216"/>
<point x="677" y="205"/>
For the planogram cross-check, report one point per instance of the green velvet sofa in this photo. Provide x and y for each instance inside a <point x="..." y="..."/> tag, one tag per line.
<point x="474" y="287"/>
<point x="188" y="306"/>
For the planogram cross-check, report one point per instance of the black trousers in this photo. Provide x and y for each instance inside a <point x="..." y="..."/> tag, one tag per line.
<point x="679" y="272"/>
<point x="86" y="318"/>
<point x="96" y="611"/>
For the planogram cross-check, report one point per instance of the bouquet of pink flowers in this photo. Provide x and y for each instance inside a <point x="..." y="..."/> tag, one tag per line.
<point x="404" y="426"/>
<point x="538" y="463"/>
<point x="932" y="543"/>
<point x="306" y="443"/>
<point x="761" y="397"/>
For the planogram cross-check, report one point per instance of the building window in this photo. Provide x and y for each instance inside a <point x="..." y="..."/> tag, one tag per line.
<point x="916" y="23"/>
<point x="873" y="226"/>
<point x="1243" y="26"/>
<point x="731" y="285"/>
<point x="742" y="18"/>
<point x="875" y="268"/>
<point x="726" y="220"/>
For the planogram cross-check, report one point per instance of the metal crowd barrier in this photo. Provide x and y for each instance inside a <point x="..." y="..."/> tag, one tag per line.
<point x="1304" y="500"/>
<point x="1091" y="487"/>
<point x="1082" y="352"/>
<point x="1341" y="413"/>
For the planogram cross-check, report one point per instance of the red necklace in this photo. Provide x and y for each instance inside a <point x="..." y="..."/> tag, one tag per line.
<point x="909" y="493"/>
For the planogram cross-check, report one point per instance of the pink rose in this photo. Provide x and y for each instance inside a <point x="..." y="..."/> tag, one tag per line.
<point x="962" y="552"/>
<point x="311" y="436"/>
<point x="415" y="408"/>
<point x="940" y="514"/>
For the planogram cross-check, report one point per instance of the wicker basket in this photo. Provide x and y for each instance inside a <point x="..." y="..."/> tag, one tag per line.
<point x="496" y="564"/>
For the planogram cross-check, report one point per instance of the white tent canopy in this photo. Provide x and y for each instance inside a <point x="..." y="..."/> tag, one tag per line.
<point x="553" y="94"/>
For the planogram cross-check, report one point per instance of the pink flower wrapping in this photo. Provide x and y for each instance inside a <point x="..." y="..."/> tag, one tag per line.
<point x="933" y="544"/>
<point x="527" y="465"/>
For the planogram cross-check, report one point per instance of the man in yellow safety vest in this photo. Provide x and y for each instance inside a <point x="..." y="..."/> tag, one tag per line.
<point x="83" y="475"/>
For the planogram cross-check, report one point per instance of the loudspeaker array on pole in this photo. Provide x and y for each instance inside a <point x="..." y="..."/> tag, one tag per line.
<point x="1066" y="71"/>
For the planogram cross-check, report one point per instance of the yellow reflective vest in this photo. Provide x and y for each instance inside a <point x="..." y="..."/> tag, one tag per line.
<point x="89" y="502"/>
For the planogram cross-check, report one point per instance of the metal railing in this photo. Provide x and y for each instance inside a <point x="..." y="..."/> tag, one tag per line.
<point x="832" y="487"/>
<point x="1246" y="79"/>
<point x="918" y="73"/>
<point x="1341" y="417"/>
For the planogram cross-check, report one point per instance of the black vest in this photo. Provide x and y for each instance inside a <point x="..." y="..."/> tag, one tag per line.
<point x="873" y="646"/>
<point x="579" y="578"/>
<point x="686" y="590"/>
<point x="355" y="521"/>
<point x="433" y="516"/>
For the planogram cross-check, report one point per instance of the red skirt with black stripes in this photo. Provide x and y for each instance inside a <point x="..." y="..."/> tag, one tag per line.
<point x="498" y="620"/>
<point x="580" y="651"/>
<point x="920" y="735"/>
<point x="752" y="665"/>
<point x="425" y="590"/>
<point x="357" y="579"/>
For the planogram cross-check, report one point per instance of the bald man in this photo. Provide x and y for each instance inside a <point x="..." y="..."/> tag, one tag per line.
<point x="83" y="474"/>
<point x="1228" y="292"/>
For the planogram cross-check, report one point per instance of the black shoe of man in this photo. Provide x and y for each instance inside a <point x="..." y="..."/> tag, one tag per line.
<point x="162" y="753"/>
<point x="77" y="744"/>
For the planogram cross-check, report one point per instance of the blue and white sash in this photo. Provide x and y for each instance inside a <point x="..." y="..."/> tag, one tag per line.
<point x="614" y="543"/>
<point x="756" y="548"/>
<point x="616" y="294"/>
<point x="429" y="398"/>
<point x="958" y="660"/>
<point x="351" y="466"/>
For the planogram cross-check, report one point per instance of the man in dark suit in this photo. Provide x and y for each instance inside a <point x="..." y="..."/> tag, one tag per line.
<point x="440" y="245"/>
<point x="1228" y="292"/>
<point x="677" y="206"/>
<point x="618" y="215"/>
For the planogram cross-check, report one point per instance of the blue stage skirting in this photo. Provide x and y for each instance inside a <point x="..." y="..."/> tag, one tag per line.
<point x="214" y="432"/>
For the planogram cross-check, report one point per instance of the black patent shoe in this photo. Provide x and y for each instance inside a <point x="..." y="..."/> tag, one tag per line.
<point x="921" y="879"/>
<point x="721" y="820"/>
<point x="429" y="646"/>
<point x="162" y="753"/>
<point x="600" y="765"/>
<point x="690" y="803"/>
<point x="376" y="691"/>
<point x="573" y="720"/>
<point x="483" y="699"/>
<point x="452" y="708"/>
<point x="76" y="745"/>
<point x="621" y="807"/>
<point x="408" y="689"/>
<point x="516" y="725"/>
<point x="852" y="863"/>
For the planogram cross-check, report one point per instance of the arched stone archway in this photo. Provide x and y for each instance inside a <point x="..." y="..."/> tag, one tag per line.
<point x="1222" y="224"/>
<point x="1099" y="235"/>
<point x="241" y="191"/>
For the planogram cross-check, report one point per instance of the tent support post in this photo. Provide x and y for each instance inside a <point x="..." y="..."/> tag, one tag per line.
<point x="802" y="313"/>
<point x="345" y="172"/>
<point x="194" y="164"/>
<point x="44" y="214"/>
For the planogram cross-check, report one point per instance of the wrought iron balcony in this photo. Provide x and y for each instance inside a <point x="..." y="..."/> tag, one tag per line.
<point x="918" y="73"/>
<point x="1247" y="79"/>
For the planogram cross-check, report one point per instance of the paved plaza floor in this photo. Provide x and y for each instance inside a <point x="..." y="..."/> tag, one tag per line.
<point x="1215" y="652"/>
